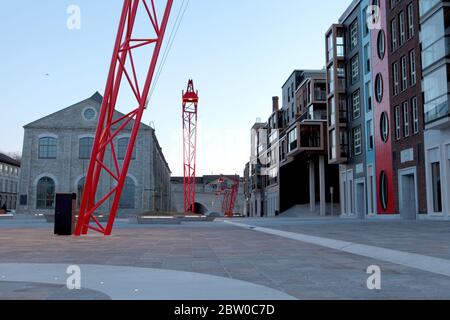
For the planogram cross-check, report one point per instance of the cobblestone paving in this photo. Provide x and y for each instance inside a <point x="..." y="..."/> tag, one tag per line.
<point x="301" y="270"/>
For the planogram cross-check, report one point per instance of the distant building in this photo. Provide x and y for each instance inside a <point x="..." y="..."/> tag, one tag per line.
<point x="9" y="180"/>
<point x="207" y="193"/>
<point x="56" y="155"/>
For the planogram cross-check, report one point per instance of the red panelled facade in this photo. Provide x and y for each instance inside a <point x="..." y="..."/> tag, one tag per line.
<point x="382" y="121"/>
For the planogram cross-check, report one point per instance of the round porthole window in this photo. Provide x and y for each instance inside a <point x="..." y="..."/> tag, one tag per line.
<point x="384" y="127"/>
<point x="379" y="88"/>
<point x="381" y="44"/>
<point x="89" y="114"/>
<point x="384" y="192"/>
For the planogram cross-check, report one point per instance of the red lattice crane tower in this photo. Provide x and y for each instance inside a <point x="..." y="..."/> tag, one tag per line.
<point x="230" y="196"/>
<point x="190" y="112"/>
<point x="123" y="67"/>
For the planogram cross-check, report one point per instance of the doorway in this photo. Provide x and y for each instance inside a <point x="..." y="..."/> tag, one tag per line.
<point x="408" y="194"/>
<point x="360" y="199"/>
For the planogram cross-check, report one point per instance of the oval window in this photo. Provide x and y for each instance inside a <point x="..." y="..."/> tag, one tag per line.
<point x="379" y="88"/>
<point x="384" y="127"/>
<point x="384" y="194"/>
<point x="381" y="44"/>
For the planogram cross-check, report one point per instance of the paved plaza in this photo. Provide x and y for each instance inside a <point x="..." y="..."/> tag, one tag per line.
<point x="280" y="258"/>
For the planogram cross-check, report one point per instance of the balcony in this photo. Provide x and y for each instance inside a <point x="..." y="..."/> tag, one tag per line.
<point x="437" y="113"/>
<point x="306" y="138"/>
<point x="314" y="115"/>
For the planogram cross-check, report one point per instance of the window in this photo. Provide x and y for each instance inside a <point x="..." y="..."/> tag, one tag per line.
<point x="437" y="191"/>
<point x="23" y="200"/>
<point x="412" y="67"/>
<point x="404" y="74"/>
<point x="292" y="140"/>
<point x="368" y="96"/>
<point x="128" y="195"/>
<point x="122" y="147"/>
<point x="89" y="114"/>
<point x="384" y="190"/>
<point x="379" y="88"/>
<point x="393" y="35"/>
<point x="356" y="105"/>
<point x="355" y="69"/>
<point x="333" y="151"/>
<point x="398" y="131"/>
<point x="405" y="119"/>
<point x="435" y="89"/>
<point x="381" y="44"/>
<point x="411" y="30"/>
<point x="384" y="127"/>
<point x="47" y="148"/>
<point x="396" y="78"/>
<point x="367" y="56"/>
<point x="45" y="195"/>
<point x="370" y="135"/>
<point x="415" y="112"/>
<point x="353" y="34"/>
<point x="86" y="148"/>
<point x="330" y="47"/>
<point x="357" y="146"/>
<point x="401" y="22"/>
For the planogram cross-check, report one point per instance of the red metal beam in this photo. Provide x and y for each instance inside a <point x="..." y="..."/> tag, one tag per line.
<point x="124" y="46"/>
<point x="190" y="112"/>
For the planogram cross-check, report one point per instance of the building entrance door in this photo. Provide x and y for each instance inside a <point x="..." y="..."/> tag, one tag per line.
<point x="408" y="201"/>
<point x="360" y="199"/>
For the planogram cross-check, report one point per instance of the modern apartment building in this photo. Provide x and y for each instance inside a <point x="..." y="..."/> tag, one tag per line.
<point x="380" y="111"/>
<point x="256" y="198"/>
<point x="406" y="107"/>
<point x="349" y="102"/>
<point x="305" y="175"/>
<point x="435" y="45"/>
<point x="271" y="178"/>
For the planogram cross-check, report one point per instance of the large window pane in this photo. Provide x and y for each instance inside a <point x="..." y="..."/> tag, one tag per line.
<point x="86" y="147"/>
<point x="127" y="200"/>
<point x="45" y="195"/>
<point x="47" y="148"/>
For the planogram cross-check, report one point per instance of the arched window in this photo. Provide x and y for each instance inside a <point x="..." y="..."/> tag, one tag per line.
<point x="45" y="195"/>
<point x="128" y="195"/>
<point x="86" y="147"/>
<point x="80" y="188"/>
<point x="47" y="148"/>
<point x="122" y="146"/>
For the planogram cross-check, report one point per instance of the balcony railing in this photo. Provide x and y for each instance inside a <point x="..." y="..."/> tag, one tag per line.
<point x="436" y="110"/>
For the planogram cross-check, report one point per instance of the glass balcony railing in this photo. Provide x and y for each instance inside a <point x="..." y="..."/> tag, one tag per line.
<point x="437" y="109"/>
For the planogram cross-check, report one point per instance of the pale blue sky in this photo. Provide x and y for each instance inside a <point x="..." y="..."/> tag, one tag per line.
<point x="239" y="53"/>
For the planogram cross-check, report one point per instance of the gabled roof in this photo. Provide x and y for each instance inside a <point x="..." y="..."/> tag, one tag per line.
<point x="8" y="160"/>
<point x="96" y="99"/>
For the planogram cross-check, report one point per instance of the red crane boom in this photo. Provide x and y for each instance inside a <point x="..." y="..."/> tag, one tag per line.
<point x="108" y="128"/>
<point x="230" y="196"/>
<point x="190" y="112"/>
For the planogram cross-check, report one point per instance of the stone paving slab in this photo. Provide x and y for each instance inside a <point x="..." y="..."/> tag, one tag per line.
<point x="430" y="238"/>
<point x="302" y="270"/>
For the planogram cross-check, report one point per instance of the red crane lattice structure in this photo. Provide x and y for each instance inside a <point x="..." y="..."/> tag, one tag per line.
<point x="190" y="113"/>
<point x="108" y="128"/>
<point x="230" y="196"/>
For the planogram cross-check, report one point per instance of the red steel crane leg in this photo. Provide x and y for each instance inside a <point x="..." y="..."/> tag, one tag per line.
<point x="190" y="109"/>
<point x="108" y="127"/>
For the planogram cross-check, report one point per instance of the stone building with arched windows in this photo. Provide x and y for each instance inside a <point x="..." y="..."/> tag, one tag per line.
<point x="56" y="155"/>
